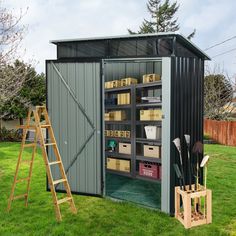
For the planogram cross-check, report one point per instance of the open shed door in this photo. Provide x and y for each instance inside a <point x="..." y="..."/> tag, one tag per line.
<point x="74" y="106"/>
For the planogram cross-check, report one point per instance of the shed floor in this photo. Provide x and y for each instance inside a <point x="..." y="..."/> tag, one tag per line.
<point x="134" y="190"/>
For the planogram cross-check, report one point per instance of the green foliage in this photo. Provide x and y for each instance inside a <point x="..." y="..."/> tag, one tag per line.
<point x="162" y="17"/>
<point x="33" y="92"/>
<point x="10" y="135"/>
<point x="101" y="216"/>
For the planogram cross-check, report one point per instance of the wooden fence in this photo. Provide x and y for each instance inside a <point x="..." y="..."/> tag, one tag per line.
<point x="223" y="132"/>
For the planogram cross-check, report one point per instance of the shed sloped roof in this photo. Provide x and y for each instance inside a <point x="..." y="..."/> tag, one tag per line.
<point x="182" y="39"/>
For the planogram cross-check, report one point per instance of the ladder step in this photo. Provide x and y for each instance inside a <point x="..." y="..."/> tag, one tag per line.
<point x="26" y="127"/>
<point x="59" y="181"/>
<point x="66" y="199"/>
<point x="49" y="144"/>
<point x="45" y="126"/>
<point x="19" y="196"/>
<point x="21" y="180"/>
<point x="30" y="145"/>
<point x="54" y="163"/>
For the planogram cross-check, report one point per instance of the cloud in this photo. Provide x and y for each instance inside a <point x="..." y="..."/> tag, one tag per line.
<point x="56" y="19"/>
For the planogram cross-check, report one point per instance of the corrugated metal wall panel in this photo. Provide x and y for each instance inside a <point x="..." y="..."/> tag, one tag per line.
<point x="70" y="125"/>
<point x="186" y="109"/>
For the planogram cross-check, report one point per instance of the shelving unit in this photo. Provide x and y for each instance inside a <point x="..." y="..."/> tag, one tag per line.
<point x="133" y="109"/>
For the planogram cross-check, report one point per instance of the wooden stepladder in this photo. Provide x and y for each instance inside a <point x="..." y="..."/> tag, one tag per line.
<point x="38" y="112"/>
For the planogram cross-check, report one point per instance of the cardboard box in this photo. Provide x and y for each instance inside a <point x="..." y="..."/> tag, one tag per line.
<point x="127" y="134"/>
<point x="123" y="98"/>
<point x="111" y="133"/>
<point x="128" y="81"/>
<point x="117" y="164"/>
<point x="119" y="115"/>
<point x="125" y="148"/>
<point x="108" y="85"/>
<point x="109" y="116"/>
<point x="149" y="78"/>
<point x="148" y="170"/>
<point x="116" y="133"/>
<point x="116" y="83"/>
<point x="151" y="114"/>
<point x="151" y="151"/>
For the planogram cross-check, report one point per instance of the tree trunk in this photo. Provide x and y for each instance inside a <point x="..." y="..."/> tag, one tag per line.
<point x="21" y="121"/>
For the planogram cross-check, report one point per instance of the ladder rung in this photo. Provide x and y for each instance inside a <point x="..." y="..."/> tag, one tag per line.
<point x="49" y="144"/>
<point x="59" y="181"/>
<point x="45" y="126"/>
<point x="19" y="196"/>
<point x="26" y="127"/>
<point x="54" y="163"/>
<point x="30" y="145"/>
<point x="21" y="180"/>
<point x="26" y="161"/>
<point x="66" y="199"/>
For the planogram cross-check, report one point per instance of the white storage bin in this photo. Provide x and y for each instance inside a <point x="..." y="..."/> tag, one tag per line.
<point x="152" y="132"/>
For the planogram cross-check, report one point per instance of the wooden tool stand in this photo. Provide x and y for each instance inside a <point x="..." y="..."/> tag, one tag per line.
<point x="193" y="208"/>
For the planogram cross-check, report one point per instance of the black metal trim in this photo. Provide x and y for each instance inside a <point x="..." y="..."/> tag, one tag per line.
<point x="101" y="130"/>
<point x="46" y="76"/>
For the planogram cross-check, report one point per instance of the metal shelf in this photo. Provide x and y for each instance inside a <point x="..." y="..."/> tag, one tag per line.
<point x="115" y="107"/>
<point x="151" y="159"/>
<point x="149" y="122"/>
<point x="118" y="155"/>
<point x="144" y="140"/>
<point x="118" y="138"/>
<point x="123" y="173"/>
<point x="117" y="89"/>
<point x="148" y="179"/>
<point x="122" y="122"/>
<point x="147" y="85"/>
<point x="149" y="105"/>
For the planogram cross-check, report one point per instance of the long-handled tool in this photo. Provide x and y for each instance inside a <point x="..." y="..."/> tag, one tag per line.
<point x="197" y="149"/>
<point x="187" y="139"/>
<point x="179" y="175"/>
<point x="178" y="146"/>
<point x="204" y="164"/>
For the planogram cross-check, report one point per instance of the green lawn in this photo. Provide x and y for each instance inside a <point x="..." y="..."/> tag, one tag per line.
<point x="101" y="216"/>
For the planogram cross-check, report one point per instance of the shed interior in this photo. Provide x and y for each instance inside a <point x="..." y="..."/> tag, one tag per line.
<point x="130" y="184"/>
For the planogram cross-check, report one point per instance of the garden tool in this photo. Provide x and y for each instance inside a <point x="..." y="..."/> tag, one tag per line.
<point x="179" y="175"/>
<point x="204" y="164"/>
<point x="197" y="149"/>
<point x="111" y="144"/>
<point x="178" y="146"/>
<point x="187" y="139"/>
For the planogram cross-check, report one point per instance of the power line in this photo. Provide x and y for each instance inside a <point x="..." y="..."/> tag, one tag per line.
<point x="233" y="49"/>
<point x="217" y="44"/>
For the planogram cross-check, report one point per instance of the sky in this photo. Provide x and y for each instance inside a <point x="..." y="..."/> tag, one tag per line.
<point x="214" y="22"/>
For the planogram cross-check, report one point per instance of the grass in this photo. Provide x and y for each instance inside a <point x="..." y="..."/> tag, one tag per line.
<point x="101" y="216"/>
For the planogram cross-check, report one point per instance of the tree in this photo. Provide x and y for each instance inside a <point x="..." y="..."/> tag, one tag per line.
<point x="218" y="95"/>
<point x="162" y="15"/>
<point x="32" y="92"/>
<point x="11" y="35"/>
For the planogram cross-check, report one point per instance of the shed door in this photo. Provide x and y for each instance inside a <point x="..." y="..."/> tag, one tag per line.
<point x="74" y="106"/>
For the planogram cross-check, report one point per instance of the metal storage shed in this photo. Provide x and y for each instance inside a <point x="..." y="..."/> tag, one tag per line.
<point x="75" y="101"/>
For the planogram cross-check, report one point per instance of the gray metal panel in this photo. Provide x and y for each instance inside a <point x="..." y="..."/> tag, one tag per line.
<point x="166" y="108"/>
<point x="70" y="125"/>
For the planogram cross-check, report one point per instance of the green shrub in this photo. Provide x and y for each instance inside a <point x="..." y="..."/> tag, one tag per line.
<point x="10" y="135"/>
